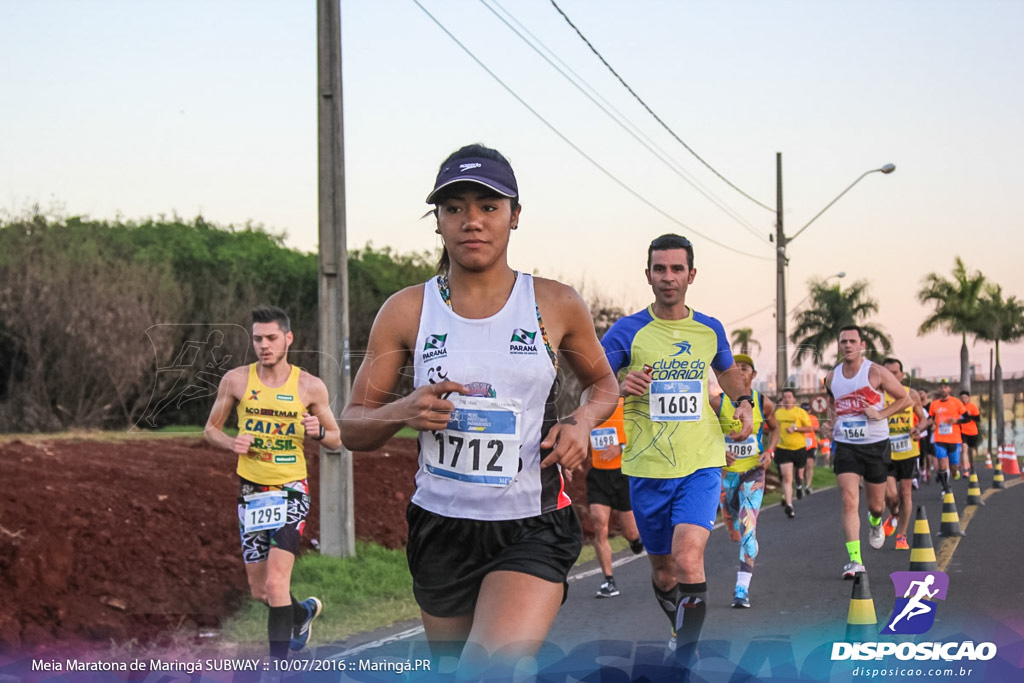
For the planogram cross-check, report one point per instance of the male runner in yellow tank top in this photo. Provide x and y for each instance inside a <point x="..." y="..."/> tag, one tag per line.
<point x="278" y="405"/>
<point x="904" y="437"/>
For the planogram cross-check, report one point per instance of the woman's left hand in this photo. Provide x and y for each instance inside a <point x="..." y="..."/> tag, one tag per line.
<point x="568" y="443"/>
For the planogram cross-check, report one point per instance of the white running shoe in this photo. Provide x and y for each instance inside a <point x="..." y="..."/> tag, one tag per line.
<point x="852" y="569"/>
<point x="876" y="536"/>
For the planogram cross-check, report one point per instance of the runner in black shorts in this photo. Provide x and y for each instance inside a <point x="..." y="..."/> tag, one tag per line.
<point x="857" y="389"/>
<point x="869" y="460"/>
<point x="273" y="397"/>
<point x="608" y="493"/>
<point x="492" y="534"/>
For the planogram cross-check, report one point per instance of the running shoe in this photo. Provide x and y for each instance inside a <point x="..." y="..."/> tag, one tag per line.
<point x="301" y="633"/>
<point x="889" y="526"/>
<point x="956" y="475"/>
<point x="608" y="589"/>
<point x="901" y="542"/>
<point x="914" y="483"/>
<point x="790" y="512"/>
<point x="852" y="569"/>
<point x="799" y="491"/>
<point x="808" y="490"/>
<point x="876" y="536"/>
<point x="740" y="599"/>
<point x="637" y="546"/>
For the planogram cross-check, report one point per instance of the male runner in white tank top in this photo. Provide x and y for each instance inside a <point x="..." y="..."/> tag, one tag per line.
<point x="860" y="426"/>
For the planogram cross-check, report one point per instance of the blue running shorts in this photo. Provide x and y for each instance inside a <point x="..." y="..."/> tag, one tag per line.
<point x="659" y="505"/>
<point x="948" y="450"/>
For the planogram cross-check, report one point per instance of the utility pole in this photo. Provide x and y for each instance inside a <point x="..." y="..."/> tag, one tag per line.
<point x="781" y="260"/>
<point x="337" y="508"/>
<point x="781" y="369"/>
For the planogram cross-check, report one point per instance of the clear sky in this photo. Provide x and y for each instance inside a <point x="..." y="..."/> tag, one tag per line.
<point x="136" y="109"/>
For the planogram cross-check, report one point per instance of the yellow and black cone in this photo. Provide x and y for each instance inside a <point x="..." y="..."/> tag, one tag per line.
<point x="861" y="622"/>
<point x="950" y="525"/>
<point x="997" y="478"/>
<point x="922" y="552"/>
<point x="974" y="491"/>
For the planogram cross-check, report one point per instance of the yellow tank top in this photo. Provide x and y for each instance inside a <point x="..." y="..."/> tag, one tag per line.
<point x="746" y="451"/>
<point x="273" y="415"/>
<point x="903" y="446"/>
<point x="796" y="417"/>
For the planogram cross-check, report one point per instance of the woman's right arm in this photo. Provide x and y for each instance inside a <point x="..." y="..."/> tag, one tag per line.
<point x="375" y="412"/>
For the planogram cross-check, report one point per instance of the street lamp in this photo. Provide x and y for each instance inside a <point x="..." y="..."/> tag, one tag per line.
<point x="781" y="241"/>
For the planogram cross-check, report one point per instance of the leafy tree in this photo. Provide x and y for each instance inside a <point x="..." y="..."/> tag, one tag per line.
<point x="998" y="319"/>
<point x="74" y="316"/>
<point x="744" y="339"/>
<point x="829" y="309"/>
<point x="112" y="323"/>
<point x="955" y="303"/>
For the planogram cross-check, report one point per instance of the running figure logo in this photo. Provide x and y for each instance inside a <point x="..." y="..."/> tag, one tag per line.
<point x="914" y="613"/>
<point x="683" y="346"/>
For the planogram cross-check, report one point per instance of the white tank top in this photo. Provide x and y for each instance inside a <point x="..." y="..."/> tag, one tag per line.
<point x="486" y="464"/>
<point x="852" y="396"/>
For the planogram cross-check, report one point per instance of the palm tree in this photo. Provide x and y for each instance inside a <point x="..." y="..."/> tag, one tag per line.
<point x="744" y="339"/>
<point x="831" y="308"/>
<point x="998" y="319"/>
<point x="956" y="303"/>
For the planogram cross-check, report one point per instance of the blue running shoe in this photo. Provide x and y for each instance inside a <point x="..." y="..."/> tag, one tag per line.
<point x="301" y="633"/>
<point x="740" y="598"/>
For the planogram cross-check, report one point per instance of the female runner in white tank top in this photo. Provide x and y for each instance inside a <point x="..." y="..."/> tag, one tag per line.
<point x="491" y="532"/>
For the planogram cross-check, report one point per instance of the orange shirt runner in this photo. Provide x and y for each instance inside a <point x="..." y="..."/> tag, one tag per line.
<point x="946" y="412"/>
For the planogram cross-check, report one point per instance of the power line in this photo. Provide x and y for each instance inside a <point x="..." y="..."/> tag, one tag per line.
<point x="651" y="112"/>
<point x="579" y="151"/>
<point x="618" y="116"/>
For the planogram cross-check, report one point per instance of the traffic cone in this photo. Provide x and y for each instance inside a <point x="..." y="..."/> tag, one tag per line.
<point x="974" y="491"/>
<point x="861" y="622"/>
<point x="922" y="553"/>
<point x="997" y="478"/>
<point x="988" y="458"/>
<point x="1009" y="460"/>
<point x="950" y="525"/>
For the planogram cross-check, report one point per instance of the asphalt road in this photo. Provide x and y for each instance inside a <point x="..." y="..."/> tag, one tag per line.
<point x="799" y="606"/>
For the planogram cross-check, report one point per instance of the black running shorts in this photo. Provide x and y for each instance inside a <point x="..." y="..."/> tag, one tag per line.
<point x="971" y="440"/>
<point x="609" y="488"/>
<point x="902" y="470"/>
<point x="449" y="557"/>
<point x="797" y="456"/>
<point x="869" y="460"/>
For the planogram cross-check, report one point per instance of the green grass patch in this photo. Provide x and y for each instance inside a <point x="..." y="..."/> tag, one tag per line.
<point x="104" y="436"/>
<point x="824" y="477"/>
<point x="361" y="593"/>
<point x="407" y="433"/>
